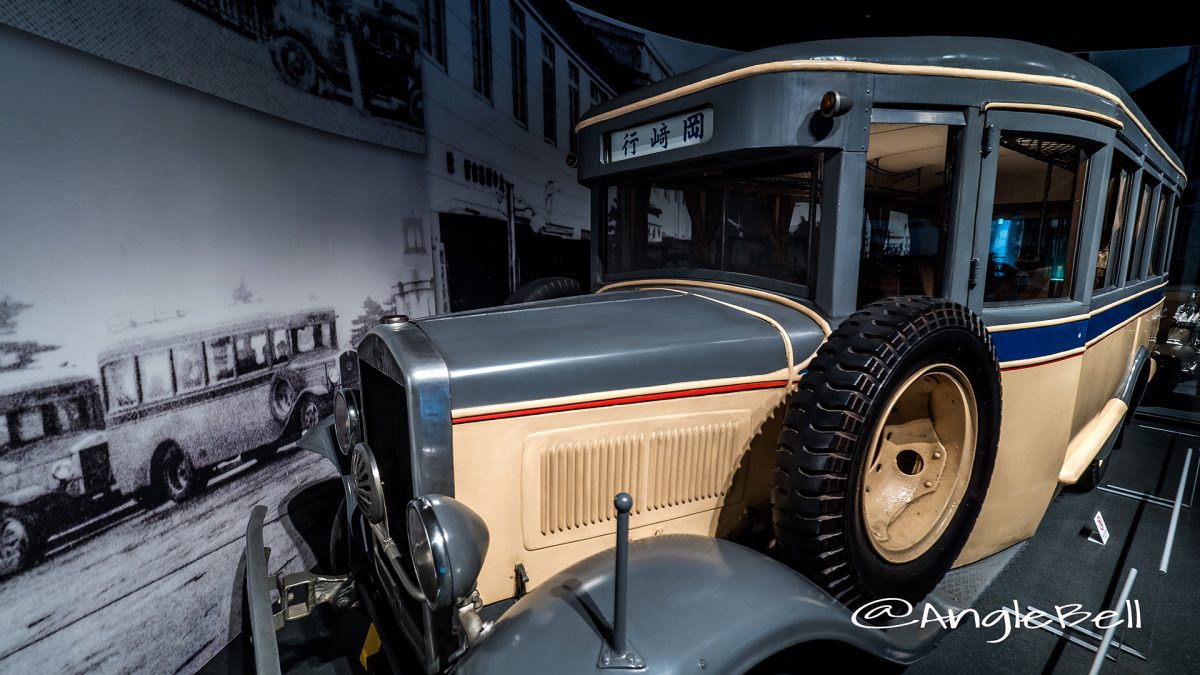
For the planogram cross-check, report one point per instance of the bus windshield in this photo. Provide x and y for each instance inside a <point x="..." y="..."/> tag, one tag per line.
<point x="760" y="222"/>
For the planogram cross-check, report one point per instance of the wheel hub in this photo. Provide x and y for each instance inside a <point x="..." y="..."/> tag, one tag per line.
<point x="310" y="416"/>
<point x="920" y="464"/>
<point x="14" y="542"/>
<point x="180" y="472"/>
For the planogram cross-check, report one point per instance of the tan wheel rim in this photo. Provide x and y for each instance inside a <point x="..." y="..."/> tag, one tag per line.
<point x="920" y="463"/>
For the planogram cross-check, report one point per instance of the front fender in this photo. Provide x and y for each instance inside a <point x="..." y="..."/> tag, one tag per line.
<point x="692" y="600"/>
<point x="320" y="391"/>
<point x="89" y="440"/>
<point x="28" y="495"/>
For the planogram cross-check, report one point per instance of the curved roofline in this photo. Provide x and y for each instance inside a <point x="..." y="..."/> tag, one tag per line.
<point x="30" y="382"/>
<point x="150" y="335"/>
<point x="974" y="58"/>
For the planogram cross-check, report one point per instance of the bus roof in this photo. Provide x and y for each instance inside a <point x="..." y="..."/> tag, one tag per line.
<point x="201" y="325"/>
<point x="30" y="379"/>
<point x="995" y="59"/>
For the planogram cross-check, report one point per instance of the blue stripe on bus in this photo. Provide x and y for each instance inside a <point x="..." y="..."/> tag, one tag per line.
<point x="1040" y="341"/>
<point x="1030" y="343"/>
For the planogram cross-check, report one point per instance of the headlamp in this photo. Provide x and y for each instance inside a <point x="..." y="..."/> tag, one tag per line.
<point x="347" y="419"/>
<point x="64" y="470"/>
<point x="447" y="542"/>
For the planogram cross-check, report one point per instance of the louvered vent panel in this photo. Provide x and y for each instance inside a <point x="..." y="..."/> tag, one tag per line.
<point x="661" y="469"/>
<point x="579" y="480"/>
<point x="691" y="464"/>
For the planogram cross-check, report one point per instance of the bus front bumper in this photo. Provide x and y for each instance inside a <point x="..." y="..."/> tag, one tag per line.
<point x="299" y="594"/>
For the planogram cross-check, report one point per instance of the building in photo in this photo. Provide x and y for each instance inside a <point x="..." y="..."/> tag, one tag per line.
<point x="505" y="82"/>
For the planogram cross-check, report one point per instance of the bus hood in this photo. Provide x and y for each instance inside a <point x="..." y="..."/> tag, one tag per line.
<point x="617" y="345"/>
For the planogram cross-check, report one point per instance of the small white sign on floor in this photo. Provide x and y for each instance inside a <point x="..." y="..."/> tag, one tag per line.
<point x="1100" y="534"/>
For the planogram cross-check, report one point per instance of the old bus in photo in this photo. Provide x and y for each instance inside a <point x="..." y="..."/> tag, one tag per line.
<point x="181" y="399"/>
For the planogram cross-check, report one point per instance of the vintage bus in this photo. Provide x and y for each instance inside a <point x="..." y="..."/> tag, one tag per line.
<point x="53" y="461"/>
<point x="182" y="398"/>
<point x="865" y="305"/>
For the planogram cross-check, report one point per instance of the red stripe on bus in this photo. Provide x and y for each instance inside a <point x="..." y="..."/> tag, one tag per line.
<point x="642" y="398"/>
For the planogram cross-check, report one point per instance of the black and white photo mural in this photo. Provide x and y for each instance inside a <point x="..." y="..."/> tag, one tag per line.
<point x="346" y="66"/>
<point x="177" y="276"/>
<point x="202" y="204"/>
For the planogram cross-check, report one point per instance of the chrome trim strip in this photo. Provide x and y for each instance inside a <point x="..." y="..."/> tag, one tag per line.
<point x="405" y="354"/>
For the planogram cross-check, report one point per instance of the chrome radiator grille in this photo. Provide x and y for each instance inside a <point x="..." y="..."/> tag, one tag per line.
<point x="385" y="421"/>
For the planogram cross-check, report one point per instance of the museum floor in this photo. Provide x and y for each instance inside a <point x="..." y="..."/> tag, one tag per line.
<point x="1058" y="567"/>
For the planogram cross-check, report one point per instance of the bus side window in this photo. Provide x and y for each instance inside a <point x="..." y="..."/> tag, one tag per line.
<point x="1160" y="228"/>
<point x="73" y="414"/>
<point x="120" y="383"/>
<point x="251" y="352"/>
<point x="1035" y="218"/>
<point x="1137" y="269"/>
<point x="282" y="345"/>
<point x="30" y="426"/>
<point x="155" y="371"/>
<point x="306" y="339"/>
<point x="906" y="206"/>
<point x="189" y="367"/>
<point x="220" y="359"/>
<point x="1108" y="259"/>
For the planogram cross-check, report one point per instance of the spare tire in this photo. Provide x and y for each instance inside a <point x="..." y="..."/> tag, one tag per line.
<point x="887" y="450"/>
<point x="547" y="288"/>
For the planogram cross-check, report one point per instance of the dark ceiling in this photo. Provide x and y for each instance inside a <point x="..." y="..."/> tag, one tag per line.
<point x="1069" y="26"/>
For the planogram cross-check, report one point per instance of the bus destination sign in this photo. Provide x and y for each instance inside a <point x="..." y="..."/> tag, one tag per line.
<point x="691" y="128"/>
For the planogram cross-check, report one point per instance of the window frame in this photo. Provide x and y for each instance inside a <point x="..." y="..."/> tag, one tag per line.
<point x="172" y="387"/>
<point x="45" y="425"/>
<point x="1137" y="270"/>
<point x="481" y="48"/>
<point x="1132" y="185"/>
<point x="249" y="336"/>
<point x="596" y="94"/>
<point x="573" y="112"/>
<point x="549" y="91"/>
<point x="180" y="388"/>
<point x="1073" y="210"/>
<point x="434" y="32"/>
<point x="955" y="124"/>
<point x="1095" y="139"/>
<point x="519" y="57"/>
<point x="1162" y="224"/>
<point x="215" y="375"/>
<point x="603" y="242"/>
<point x="105" y="381"/>
<point x="1169" y="238"/>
